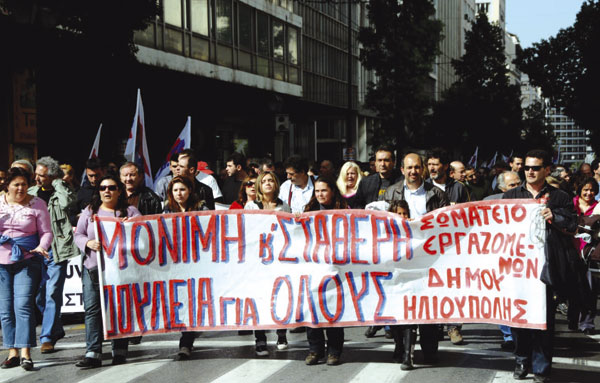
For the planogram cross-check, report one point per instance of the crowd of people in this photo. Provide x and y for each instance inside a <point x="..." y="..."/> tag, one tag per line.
<point x="45" y="216"/>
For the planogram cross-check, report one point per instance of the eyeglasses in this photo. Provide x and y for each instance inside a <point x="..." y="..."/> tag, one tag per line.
<point x="249" y="183"/>
<point x="107" y="187"/>
<point x="535" y="168"/>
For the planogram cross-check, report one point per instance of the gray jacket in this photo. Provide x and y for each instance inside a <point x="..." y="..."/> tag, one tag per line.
<point x="63" y="245"/>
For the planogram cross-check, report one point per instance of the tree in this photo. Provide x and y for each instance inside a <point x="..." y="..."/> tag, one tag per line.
<point x="567" y="68"/>
<point x="400" y="47"/>
<point x="481" y="108"/>
<point x="537" y="129"/>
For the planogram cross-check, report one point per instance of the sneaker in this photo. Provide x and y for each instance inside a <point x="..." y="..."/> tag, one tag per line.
<point x="183" y="354"/>
<point x="119" y="359"/>
<point x="312" y="358"/>
<point x="262" y="350"/>
<point x="333" y="360"/>
<point x="455" y="336"/>
<point x="27" y="364"/>
<point x="282" y="343"/>
<point x="86" y="363"/>
<point x="11" y="362"/>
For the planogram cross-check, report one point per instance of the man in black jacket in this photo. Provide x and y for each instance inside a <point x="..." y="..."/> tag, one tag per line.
<point x="437" y="164"/>
<point x="373" y="187"/>
<point x="94" y="171"/>
<point x="534" y="347"/>
<point x="422" y="198"/>
<point x="139" y="195"/>
<point x="186" y="167"/>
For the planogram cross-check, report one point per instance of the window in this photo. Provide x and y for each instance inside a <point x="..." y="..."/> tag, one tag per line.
<point x="199" y="13"/>
<point x="245" y="27"/>
<point x="224" y="29"/>
<point x="292" y="46"/>
<point x="172" y="12"/>
<point x="278" y="40"/>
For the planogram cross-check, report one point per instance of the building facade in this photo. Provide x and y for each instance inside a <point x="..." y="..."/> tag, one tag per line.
<point x="572" y="141"/>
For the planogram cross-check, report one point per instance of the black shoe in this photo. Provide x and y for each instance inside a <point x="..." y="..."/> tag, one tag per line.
<point x="298" y="330"/>
<point x="508" y="345"/>
<point x="11" y="362"/>
<point x="261" y="350"/>
<point x="27" y="364"/>
<point x="540" y="378"/>
<point x="119" y="359"/>
<point x="388" y="334"/>
<point x="135" y="340"/>
<point x="89" y="363"/>
<point x="371" y="331"/>
<point x="521" y="371"/>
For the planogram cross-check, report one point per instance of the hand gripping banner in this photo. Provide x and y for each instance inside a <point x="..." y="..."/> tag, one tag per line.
<point x="477" y="262"/>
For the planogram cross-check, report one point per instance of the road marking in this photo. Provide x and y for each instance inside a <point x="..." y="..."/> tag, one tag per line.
<point x="126" y="372"/>
<point x="503" y="377"/>
<point x="9" y="374"/>
<point x="380" y="372"/>
<point x="257" y="370"/>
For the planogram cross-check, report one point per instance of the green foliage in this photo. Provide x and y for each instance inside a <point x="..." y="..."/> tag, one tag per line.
<point x="400" y="46"/>
<point x="481" y="108"/>
<point x="567" y="68"/>
<point x="537" y="130"/>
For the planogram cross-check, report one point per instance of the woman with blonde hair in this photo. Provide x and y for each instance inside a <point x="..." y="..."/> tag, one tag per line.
<point x="348" y="180"/>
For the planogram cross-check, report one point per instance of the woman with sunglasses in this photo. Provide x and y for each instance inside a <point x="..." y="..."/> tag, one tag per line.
<point x="247" y="191"/>
<point x="181" y="198"/>
<point x="267" y="192"/>
<point x="326" y="197"/>
<point x="25" y="236"/>
<point x="108" y="200"/>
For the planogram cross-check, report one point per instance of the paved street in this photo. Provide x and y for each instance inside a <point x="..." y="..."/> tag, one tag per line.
<point x="227" y="357"/>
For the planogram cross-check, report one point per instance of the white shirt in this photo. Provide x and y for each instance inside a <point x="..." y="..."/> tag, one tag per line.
<point x="441" y="186"/>
<point x="211" y="182"/>
<point x="417" y="201"/>
<point x="300" y="197"/>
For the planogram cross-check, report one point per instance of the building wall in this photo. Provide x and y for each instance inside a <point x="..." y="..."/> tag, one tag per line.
<point x="572" y="141"/>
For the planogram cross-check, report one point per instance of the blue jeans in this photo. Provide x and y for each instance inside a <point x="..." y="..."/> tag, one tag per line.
<point x="506" y="333"/>
<point x="93" y="318"/>
<point x="18" y="284"/>
<point x="49" y="299"/>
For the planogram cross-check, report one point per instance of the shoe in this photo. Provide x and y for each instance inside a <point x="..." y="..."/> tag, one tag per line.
<point x="261" y="351"/>
<point x="540" y="378"/>
<point x="27" y="364"/>
<point x="298" y="330"/>
<point x="136" y="340"/>
<point x="588" y="331"/>
<point x="371" y="331"/>
<point x="508" y="345"/>
<point x="11" y="362"/>
<point x="333" y="360"/>
<point x="521" y="371"/>
<point x="47" y="348"/>
<point x="282" y="343"/>
<point x="455" y="336"/>
<point x="407" y="343"/>
<point x="89" y="363"/>
<point x="245" y="332"/>
<point x="388" y="334"/>
<point x="562" y="308"/>
<point x="119" y="359"/>
<point x="183" y="354"/>
<point x="312" y="358"/>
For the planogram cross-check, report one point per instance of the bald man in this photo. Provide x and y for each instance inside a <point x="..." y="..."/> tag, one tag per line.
<point x="458" y="171"/>
<point x="422" y="198"/>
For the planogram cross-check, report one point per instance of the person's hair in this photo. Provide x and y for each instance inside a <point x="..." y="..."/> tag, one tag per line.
<point x="122" y="204"/>
<point x="502" y="179"/>
<point x="595" y="164"/>
<point x="259" y="193"/>
<point x="265" y="162"/>
<point x="237" y="159"/>
<point x="242" y="196"/>
<point x="440" y="154"/>
<point x="386" y="148"/>
<point x="341" y="180"/>
<point x="588" y="181"/>
<point x="129" y="164"/>
<point x="192" y="160"/>
<point x="23" y="162"/>
<point x="15" y="172"/>
<point x="553" y="181"/>
<point x="94" y="163"/>
<point x="453" y="169"/>
<point x="192" y="203"/>
<point x="540" y="154"/>
<point x="515" y="155"/>
<point x="297" y="163"/>
<point x="52" y="165"/>
<point x="339" y="202"/>
<point x="469" y="167"/>
<point x="399" y="203"/>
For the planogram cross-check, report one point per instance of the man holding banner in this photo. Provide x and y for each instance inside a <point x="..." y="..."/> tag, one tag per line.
<point x="533" y="348"/>
<point x="422" y="198"/>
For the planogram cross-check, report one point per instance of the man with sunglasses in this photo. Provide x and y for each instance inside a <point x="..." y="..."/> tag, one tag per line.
<point x="533" y="348"/>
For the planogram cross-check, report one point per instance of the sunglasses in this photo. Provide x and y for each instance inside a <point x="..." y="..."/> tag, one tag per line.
<point x="535" y="168"/>
<point x="108" y="187"/>
<point x="249" y="183"/>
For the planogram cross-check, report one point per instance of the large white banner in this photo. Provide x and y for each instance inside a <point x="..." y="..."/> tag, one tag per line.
<point x="469" y="263"/>
<point x="73" y="290"/>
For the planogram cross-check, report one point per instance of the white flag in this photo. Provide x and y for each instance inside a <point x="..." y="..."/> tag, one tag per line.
<point x="136" y="149"/>
<point x="183" y="142"/>
<point x="94" y="151"/>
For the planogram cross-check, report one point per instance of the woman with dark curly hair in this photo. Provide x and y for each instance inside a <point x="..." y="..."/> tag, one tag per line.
<point x="108" y="200"/>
